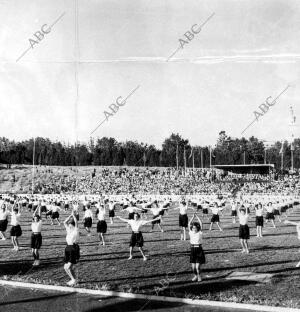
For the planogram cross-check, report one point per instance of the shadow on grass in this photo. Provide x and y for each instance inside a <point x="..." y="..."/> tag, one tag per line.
<point x="136" y="305"/>
<point x="210" y="287"/>
<point x="15" y="267"/>
<point x="205" y="270"/>
<point x="35" y="299"/>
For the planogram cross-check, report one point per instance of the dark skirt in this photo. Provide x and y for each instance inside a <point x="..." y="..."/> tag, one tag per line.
<point x="215" y="218"/>
<point x="43" y="209"/>
<point x="197" y="255"/>
<point x="205" y="211"/>
<point x="3" y="225"/>
<point x="36" y="241"/>
<point x="16" y="231"/>
<point x="111" y="213"/>
<point x="101" y="226"/>
<point x="283" y="209"/>
<point x="183" y="220"/>
<point x="136" y="239"/>
<point x="270" y="216"/>
<point x="55" y="215"/>
<point x="156" y="221"/>
<point x="131" y="216"/>
<point x="276" y="212"/>
<point x="233" y="213"/>
<point x="244" y="232"/>
<point x="72" y="254"/>
<point x="199" y="207"/>
<point x="259" y="221"/>
<point x="88" y="222"/>
<point x="162" y="212"/>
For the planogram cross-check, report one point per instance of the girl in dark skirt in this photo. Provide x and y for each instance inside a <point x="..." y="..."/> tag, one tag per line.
<point x="259" y="219"/>
<point x="43" y="207"/>
<point x="15" y="230"/>
<point x="215" y="216"/>
<point x="244" y="233"/>
<point x="234" y="211"/>
<point x="36" y="236"/>
<point x="111" y="211"/>
<point x="55" y="213"/>
<point x="205" y="206"/>
<point x="197" y="256"/>
<point x="183" y="219"/>
<point x="3" y="221"/>
<point x="66" y="205"/>
<point x="136" y="236"/>
<point x="283" y="208"/>
<point x="156" y="211"/>
<point x="72" y="250"/>
<point x="277" y="211"/>
<point x="101" y="225"/>
<point x="88" y="219"/>
<point x="270" y="214"/>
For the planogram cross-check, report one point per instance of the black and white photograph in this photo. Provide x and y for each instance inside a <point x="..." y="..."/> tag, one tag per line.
<point x="149" y="155"/>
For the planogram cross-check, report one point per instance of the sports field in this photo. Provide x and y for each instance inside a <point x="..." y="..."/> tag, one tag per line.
<point x="167" y="270"/>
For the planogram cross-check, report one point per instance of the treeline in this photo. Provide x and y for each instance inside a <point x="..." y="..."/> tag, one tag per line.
<point x="175" y="150"/>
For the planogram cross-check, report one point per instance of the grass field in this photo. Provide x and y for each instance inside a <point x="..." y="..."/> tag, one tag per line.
<point x="108" y="268"/>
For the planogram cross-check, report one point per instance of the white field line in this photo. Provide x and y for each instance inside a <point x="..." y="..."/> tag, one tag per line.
<point x="220" y="304"/>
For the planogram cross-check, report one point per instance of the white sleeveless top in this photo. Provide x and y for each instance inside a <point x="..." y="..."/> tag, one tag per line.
<point x="72" y="235"/>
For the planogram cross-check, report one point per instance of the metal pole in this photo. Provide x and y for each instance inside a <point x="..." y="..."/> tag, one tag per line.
<point x="33" y="158"/>
<point x="210" y="157"/>
<point x="265" y="156"/>
<point x="201" y="158"/>
<point x="177" y="156"/>
<point x="244" y="157"/>
<point x="184" y="156"/>
<point x="193" y="160"/>
<point x="292" y="159"/>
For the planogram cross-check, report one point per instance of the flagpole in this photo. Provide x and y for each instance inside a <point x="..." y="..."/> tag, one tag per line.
<point x="184" y="157"/>
<point x="210" y="157"/>
<point x="292" y="156"/>
<point x="177" y="156"/>
<point x="281" y="152"/>
<point x="193" y="160"/>
<point x="201" y="158"/>
<point x="33" y="156"/>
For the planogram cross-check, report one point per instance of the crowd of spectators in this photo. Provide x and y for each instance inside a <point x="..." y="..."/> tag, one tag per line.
<point x="138" y="180"/>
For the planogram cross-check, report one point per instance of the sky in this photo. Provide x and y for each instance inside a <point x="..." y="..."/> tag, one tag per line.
<point x="100" y="50"/>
